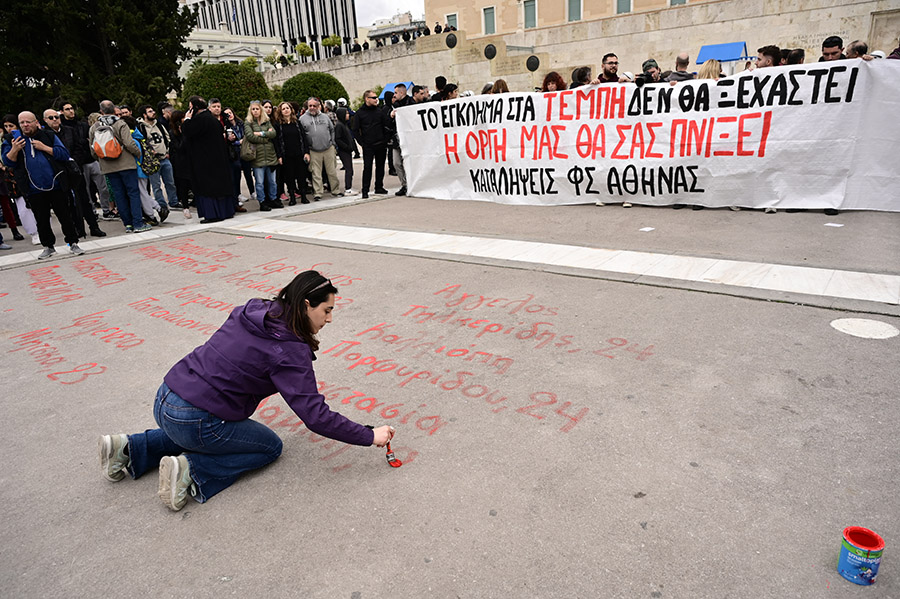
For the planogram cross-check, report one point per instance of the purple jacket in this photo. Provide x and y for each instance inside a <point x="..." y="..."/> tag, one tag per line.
<point x="252" y="356"/>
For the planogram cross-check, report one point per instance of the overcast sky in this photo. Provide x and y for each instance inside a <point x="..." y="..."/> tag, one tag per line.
<point x="369" y="10"/>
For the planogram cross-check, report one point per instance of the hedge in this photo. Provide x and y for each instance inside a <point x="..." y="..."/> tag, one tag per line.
<point x="300" y="88"/>
<point x="236" y="85"/>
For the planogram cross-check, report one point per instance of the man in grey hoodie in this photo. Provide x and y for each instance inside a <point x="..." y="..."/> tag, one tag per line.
<point x="319" y="131"/>
<point x="681" y="64"/>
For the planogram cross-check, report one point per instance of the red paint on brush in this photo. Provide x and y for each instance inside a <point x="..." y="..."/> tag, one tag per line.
<point x="394" y="462"/>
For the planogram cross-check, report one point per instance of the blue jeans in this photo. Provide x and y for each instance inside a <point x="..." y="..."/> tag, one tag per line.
<point x="128" y="197"/>
<point x="218" y="451"/>
<point x="168" y="179"/>
<point x="264" y="174"/>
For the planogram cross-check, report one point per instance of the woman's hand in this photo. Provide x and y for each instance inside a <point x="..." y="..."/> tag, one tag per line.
<point x="279" y="161"/>
<point x="383" y="434"/>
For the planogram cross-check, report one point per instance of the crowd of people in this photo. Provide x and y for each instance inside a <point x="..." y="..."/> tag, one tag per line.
<point x="136" y="167"/>
<point x="406" y="35"/>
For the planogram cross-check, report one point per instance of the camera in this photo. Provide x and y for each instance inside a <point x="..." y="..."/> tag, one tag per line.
<point x="643" y="79"/>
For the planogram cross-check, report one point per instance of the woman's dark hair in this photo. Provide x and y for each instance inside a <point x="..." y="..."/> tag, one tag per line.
<point x="176" y="120"/>
<point x="311" y="287"/>
<point x="500" y="87"/>
<point x="556" y="78"/>
<point x="448" y="89"/>
<point x="130" y="121"/>
<point x="11" y="118"/>
<point x="342" y="115"/>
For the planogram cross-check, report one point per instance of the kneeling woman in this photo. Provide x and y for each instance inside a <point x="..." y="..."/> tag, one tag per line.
<point x="205" y="438"/>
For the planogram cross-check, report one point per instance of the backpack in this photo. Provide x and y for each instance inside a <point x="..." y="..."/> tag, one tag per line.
<point x="105" y="143"/>
<point x="150" y="162"/>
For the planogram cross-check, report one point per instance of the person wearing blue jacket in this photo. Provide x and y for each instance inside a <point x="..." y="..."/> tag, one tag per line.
<point x="38" y="159"/>
<point x="206" y="439"/>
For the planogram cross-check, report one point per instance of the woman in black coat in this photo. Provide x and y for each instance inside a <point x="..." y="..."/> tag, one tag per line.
<point x="291" y="146"/>
<point x="210" y="163"/>
<point x="181" y="163"/>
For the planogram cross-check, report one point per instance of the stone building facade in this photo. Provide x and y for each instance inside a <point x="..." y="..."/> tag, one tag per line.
<point x="291" y="21"/>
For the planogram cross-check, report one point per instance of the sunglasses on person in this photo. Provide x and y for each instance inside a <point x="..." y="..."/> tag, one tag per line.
<point x="51" y="118"/>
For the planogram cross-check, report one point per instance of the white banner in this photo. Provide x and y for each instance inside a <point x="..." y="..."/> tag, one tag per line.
<point x="824" y="135"/>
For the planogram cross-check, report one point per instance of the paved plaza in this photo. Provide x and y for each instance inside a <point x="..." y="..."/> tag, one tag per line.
<point x="589" y="402"/>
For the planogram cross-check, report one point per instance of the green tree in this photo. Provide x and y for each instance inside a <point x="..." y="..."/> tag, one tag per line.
<point x="276" y="95"/>
<point x="303" y="49"/>
<point x="235" y="84"/>
<point x="331" y="40"/>
<point x="90" y="50"/>
<point x="303" y="86"/>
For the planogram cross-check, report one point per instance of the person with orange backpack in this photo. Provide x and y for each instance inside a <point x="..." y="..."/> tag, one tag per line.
<point x="111" y="142"/>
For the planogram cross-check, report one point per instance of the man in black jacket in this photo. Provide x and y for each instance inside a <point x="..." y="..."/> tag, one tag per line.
<point x="372" y="129"/>
<point x="76" y="141"/>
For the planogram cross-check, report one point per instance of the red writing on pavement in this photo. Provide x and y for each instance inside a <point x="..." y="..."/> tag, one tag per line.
<point x="186" y="247"/>
<point x="95" y="326"/>
<point x="278" y="265"/>
<point x="187" y="263"/>
<point x="460" y="382"/>
<point x="178" y="319"/>
<point x="50" y="289"/>
<point x="399" y="344"/>
<point x="93" y="269"/>
<point x="35" y="344"/>
<point x="539" y="333"/>
<point x="470" y="301"/>
<point x="269" y="414"/>
<point x="192" y="294"/>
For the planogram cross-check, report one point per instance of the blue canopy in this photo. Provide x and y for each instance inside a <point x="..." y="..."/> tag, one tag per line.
<point x="723" y="52"/>
<point x="390" y="87"/>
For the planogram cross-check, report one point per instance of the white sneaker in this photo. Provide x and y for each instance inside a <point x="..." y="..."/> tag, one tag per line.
<point x="36" y="239"/>
<point x="350" y="192"/>
<point x="242" y="198"/>
<point x="253" y="196"/>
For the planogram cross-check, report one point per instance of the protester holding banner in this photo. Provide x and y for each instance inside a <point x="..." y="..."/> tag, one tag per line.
<point x="553" y="81"/>
<point x="755" y="140"/>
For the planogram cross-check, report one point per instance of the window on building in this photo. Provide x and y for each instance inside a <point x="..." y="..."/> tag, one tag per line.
<point x="530" y="14"/>
<point x="677" y="2"/>
<point x="451" y="20"/>
<point x="623" y="6"/>
<point x="574" y="10"/>
<point x="489" y="26"/>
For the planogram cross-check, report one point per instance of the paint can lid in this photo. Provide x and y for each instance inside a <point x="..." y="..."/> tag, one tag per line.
<point x="863" y="538"/>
